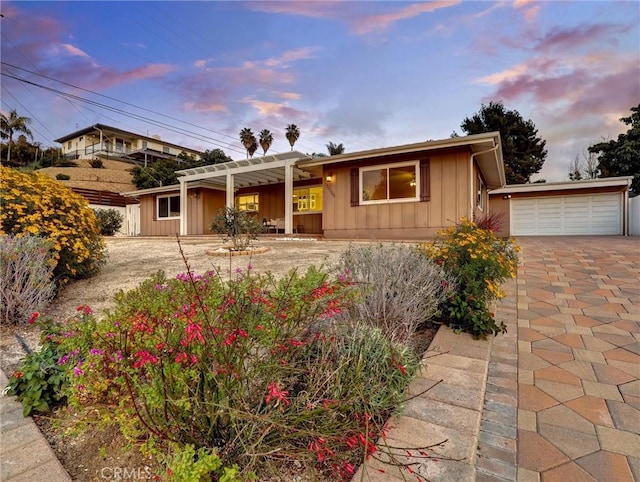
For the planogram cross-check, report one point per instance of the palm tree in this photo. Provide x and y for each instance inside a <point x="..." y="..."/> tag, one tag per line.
<point x="293" y="134"/>
<point x="10" y="125"/>
<point x="335" y="149"/>
<point x="247" y="137"/>
<point x="266" y="139"/>
<point x="253" y="147"/>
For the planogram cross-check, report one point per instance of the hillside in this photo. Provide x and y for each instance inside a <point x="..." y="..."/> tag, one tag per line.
<point x="114" y="176"/>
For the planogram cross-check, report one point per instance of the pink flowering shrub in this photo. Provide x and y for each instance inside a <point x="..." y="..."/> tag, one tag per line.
<point x="256" y="369"/>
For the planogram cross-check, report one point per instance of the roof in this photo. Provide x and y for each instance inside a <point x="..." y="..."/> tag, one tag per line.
<point x="104" y="127"/>
<point x="486" y="147"/>
<point x="564" y="185"/>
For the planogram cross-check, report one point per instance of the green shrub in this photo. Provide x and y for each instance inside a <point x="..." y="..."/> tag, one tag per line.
<point x="239" y="226"/>
<point x="26" y="277"/>
<point x="249" y="367"/>
<point x="96" y="163"/>
<point x="109" y="221"/>
<point x="41" y="381"/>
<point x="400" y="287"/>
<point x="62" y="177"/>
<point x="31" y="203"/>
<point x="481" y="262"/>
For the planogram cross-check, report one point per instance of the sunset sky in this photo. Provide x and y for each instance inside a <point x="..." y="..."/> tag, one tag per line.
<point x="364" y="74"/>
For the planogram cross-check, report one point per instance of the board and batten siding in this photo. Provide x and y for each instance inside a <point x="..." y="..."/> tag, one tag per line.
<point x="449" y="189"/>
<point x="201" y="210"/>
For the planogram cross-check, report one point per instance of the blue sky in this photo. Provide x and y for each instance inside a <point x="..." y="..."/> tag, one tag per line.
<point x="364" y="74"/>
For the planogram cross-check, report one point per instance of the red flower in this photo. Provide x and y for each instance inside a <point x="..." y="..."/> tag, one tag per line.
<point x="86" y="309"/>
<point x="143" y="358"/>
<point x="276" y="393"/>
<point x="34" y="317"/>
<point x="17" y="374"/>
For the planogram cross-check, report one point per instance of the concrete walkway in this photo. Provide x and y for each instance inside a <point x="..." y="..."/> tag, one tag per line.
<point x="25" y="455"/>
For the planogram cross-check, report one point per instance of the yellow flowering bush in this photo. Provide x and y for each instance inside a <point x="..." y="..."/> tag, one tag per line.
<point x="481" y="262"/>
<point x="32" y="203"/>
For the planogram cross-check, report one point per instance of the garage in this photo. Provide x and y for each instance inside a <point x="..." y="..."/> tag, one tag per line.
<point x="576" y="208"/>
<point x="567" y="215"/>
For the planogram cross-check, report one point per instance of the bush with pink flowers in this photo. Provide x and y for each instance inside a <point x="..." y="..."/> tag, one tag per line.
<point x="255" y="370"/>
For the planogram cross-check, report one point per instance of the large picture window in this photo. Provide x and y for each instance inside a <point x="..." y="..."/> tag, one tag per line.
<point x="389" y="183"/>
<point x="307" y="199"/>
<point x="248" y="202"/>
<point x="169" y="207"/>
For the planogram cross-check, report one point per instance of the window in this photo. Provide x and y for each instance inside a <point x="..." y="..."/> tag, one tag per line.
<point x="307" y="199"/>
<point x="248" y="202"/>
<point x="169" y="207"/>
<point x="166" y="150"/>
<point x="389" y="183"/>
<point x="69" y="145"/>
<point x="480" y="193"/>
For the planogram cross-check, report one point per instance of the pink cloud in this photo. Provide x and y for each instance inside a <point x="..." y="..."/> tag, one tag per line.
<point x="288" y="56"/>
<point x="202" y="107"/>
<point x="572" y="38"/>
<point x="352" y="12"/>
<point x="271" y="109"/>
<point x="302" y="8"/>
<point x="370" y="23"/>
<point x="71" y="50"/>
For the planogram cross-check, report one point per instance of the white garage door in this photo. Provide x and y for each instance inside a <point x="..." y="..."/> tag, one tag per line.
<point x="567" y="215"/>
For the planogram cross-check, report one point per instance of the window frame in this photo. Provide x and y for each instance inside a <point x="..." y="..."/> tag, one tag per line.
<point x="255" y="202"/>
<point x="311" y="200"/>
<point x="168" y="217"/>
<point x="378" y="167"/>
<point x="481" y="189"/>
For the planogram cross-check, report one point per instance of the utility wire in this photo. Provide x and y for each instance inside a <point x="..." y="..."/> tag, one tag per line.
<point x="164" y="125"/>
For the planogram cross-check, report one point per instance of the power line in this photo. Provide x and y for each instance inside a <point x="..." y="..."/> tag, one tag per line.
<point x="118" y="100"/>
<point x="166" y="126"/>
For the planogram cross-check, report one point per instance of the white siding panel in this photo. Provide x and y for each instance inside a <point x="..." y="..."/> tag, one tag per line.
<point x="567" y="215"/>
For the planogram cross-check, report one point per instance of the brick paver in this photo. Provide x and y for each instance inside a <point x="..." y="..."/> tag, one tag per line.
<point x="579" y="366"/>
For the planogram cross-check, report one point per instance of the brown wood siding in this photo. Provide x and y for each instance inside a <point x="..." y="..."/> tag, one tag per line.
<point x="500" y="207"/>
<point x="448" y="194"/>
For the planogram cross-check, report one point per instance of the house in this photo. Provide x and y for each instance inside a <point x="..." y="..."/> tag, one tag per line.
<point x="588" y="207"/>
<point x="101" y="141"/>
<point x="404" y="192"/>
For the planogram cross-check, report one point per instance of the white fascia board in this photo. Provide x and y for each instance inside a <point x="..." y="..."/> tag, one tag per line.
<point x="558" y="186"/>
<point x="403" y="149"/>
<point x="221" y="172"/>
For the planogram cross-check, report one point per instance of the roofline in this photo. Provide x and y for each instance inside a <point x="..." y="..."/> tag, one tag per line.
<point x="420" y="146"/>
<point x="562" y="185"/>
<point x="99" y="126"/>
<point x="163" y="189"/>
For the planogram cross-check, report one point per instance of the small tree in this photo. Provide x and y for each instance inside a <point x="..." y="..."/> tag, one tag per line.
<point x="335" y="149"/>
<point x="109" y="221"/>
<point x="238" y="226"/>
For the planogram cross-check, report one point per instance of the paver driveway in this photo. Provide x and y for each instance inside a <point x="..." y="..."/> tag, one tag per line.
<point x="578" y="312"/>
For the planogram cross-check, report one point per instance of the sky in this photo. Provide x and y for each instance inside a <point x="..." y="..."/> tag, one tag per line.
<point x="362" y="74"/>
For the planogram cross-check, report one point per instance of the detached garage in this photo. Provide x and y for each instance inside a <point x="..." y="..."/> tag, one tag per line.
<point x="591" y="207"/>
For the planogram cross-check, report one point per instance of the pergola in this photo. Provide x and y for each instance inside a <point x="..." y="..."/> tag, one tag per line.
<point x="274" y="169"/>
